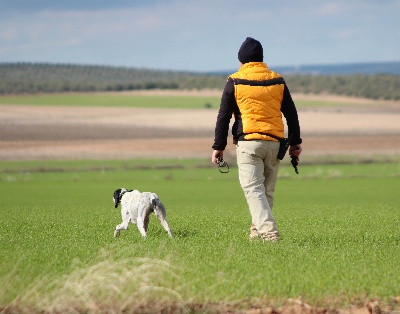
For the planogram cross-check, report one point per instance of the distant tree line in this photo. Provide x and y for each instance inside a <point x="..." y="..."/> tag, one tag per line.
<point x="377" y="86"/>
<point x="31" y="78"/>
<point x="49" y="78"/>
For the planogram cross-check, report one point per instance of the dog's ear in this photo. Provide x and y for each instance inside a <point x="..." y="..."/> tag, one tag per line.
<point x="117" y="197"/>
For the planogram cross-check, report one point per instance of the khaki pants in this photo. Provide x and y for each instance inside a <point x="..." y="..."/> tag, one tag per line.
<point x="258" y="171"/>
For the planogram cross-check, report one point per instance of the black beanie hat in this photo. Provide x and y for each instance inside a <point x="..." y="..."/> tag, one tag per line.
<point x="250" y="51"/>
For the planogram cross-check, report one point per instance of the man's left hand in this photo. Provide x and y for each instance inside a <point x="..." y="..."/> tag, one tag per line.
<point x="295" y="150"/>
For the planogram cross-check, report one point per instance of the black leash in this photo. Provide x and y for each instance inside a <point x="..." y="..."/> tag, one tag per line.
<point x="222" y="164"/>
<point x="295" y="163"/>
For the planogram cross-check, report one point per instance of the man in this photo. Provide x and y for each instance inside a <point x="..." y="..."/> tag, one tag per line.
<point x="257" y="97"/>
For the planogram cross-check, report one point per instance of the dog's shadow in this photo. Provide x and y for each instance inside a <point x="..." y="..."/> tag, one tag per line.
<point x="178" y="233"/>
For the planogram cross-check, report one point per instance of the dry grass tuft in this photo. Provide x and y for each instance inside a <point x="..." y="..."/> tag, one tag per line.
<point x="138" y="285"/>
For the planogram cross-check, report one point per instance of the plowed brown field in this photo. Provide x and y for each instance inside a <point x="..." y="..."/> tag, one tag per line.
<point x="56" y="132"/>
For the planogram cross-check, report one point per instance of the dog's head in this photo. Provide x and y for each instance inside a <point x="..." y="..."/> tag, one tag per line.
<point x="117" y="196"/>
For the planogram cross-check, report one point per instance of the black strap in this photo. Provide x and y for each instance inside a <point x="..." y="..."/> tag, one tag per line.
<point x="267" y="134"/>
<point x="270" y="82"/>
<point x="126" y="191"/>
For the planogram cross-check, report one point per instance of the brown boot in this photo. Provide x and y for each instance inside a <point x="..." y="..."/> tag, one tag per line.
<point x="253" y="232"/>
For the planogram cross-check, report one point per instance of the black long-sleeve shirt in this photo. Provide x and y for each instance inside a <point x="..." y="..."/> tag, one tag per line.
<point x="229" y="107"/>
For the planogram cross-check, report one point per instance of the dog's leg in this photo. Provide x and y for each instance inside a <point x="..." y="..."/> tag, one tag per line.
<point x="125" y="222"/>
<point x="160" y="213"/>
<point x="146" y="223"/>
<point x="140" y="226"/>
<point x="164" y="223"/>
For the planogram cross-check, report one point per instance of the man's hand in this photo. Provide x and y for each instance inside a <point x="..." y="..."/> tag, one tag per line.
<point x="217" y="154"/>
<point x="294" y="153"/>
<point x="295" y="150"/>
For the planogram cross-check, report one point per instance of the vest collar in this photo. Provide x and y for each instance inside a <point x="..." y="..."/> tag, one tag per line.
<point x="250" y="65"/>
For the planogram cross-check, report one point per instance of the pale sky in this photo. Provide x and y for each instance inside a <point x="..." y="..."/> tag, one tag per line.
<point x="198" y="35"/>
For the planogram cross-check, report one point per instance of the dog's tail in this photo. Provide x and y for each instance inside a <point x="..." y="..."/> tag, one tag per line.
<point x="158" y="207"/>
<point x="154" y="203"/>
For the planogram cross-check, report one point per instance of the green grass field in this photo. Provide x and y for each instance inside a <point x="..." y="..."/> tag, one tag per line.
<point x="148" y="101"/>
<point x="113" y="100"/>
<point x="339" y="226"/>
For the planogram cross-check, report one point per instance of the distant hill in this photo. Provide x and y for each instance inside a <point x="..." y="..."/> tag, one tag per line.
<point x="31" y="78"/>
<point x="343" y="69"/>
<point x="368" y="68"/>
<point x="368" y="80"/>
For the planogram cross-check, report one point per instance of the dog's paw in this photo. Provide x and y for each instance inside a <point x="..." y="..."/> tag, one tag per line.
<point x="116" y="233"/>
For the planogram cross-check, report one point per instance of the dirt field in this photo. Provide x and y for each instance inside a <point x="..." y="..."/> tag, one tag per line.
<point x="44" y="132"/>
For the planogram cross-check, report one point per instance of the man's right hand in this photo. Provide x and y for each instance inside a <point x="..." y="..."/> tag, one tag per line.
<point x="217" y="154"/>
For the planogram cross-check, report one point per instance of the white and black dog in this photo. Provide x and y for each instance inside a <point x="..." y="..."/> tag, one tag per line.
<point x="137" y="207"/>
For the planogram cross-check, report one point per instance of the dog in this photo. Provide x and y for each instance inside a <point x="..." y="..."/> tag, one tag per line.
<point x="137" y="207"/>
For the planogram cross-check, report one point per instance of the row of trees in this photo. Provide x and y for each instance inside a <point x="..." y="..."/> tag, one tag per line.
<point x="377" y="86"/>
<point x="18" y="78"/>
